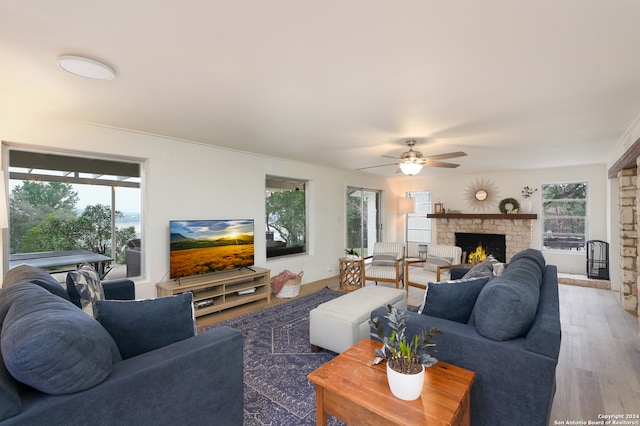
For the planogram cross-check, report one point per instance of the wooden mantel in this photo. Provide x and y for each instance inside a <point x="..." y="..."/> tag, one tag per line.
<point x="482" y="216"/>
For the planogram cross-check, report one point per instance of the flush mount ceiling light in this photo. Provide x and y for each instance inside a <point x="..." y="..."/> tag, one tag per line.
<point x="85" y="67"/>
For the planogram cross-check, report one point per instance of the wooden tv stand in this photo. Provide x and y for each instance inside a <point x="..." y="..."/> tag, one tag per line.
<point x="218" y="291"/>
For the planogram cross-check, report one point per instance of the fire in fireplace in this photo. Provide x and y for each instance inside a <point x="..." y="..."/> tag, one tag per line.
<point x="478" y="246"/>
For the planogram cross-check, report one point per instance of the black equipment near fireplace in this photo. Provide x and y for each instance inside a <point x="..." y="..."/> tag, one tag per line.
<point x="597" y="259"/>
<point x="494" y="244"/>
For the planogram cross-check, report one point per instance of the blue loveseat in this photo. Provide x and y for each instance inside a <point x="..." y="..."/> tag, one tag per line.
<point x="509" y="336"/>
<point x="137" y="363"/>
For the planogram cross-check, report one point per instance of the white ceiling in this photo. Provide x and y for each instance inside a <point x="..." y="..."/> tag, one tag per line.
<point x="514" y="83"/>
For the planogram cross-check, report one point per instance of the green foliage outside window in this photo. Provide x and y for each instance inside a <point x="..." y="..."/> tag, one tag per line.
<point x="43" y="217"/>
<point x="564" y="208"/>
<point x="286" y="216"/>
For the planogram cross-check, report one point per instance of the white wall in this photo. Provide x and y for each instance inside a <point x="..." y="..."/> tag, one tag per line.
<point x="185" y="180"/>
<point x="452" y="191"/>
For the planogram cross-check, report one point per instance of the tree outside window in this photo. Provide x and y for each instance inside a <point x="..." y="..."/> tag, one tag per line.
<point x="564" y="215"/>
<point x="286" y="224"/>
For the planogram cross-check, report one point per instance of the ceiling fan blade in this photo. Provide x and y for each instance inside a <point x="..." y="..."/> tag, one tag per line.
<point x="381" y="165"/>
<point x="388" y="156"/>
<point x="446" y="156"/>
<point x="440" y="164"/>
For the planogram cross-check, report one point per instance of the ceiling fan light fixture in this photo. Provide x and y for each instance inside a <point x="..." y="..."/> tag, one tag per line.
<point x="85" y="67"/>
<point x="410" y="168"/>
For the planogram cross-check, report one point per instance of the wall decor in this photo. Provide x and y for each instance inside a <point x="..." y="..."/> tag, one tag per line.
<point x="481" y="194"/>
<point x="509" y="206"/>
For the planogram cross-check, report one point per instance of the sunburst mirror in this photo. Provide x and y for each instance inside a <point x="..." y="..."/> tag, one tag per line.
<point x="482" y="194"/>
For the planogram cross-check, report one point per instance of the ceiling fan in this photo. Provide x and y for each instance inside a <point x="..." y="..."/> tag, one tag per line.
<point x="411" y="162"/>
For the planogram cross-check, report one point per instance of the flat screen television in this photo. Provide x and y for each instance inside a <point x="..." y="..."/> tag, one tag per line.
<point x="205" y="246"/>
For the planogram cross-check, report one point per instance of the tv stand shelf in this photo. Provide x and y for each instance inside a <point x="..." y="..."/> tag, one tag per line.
<point x="223" y="290"/>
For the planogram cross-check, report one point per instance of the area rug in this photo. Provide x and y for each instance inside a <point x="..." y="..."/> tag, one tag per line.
<point x="277" y="360"/>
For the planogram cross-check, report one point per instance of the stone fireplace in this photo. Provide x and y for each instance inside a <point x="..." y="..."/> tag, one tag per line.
<point x="515" y="228"/>
<point x="490" y="244"/>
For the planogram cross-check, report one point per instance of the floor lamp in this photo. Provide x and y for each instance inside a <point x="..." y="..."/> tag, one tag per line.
<point x="406" y="205"/>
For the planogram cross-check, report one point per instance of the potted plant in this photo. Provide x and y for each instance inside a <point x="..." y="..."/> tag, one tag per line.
<point x="352" y="254"/>
<point x="406" y="358"/>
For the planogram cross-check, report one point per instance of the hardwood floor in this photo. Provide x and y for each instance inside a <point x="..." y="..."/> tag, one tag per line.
<point x="598" y="371"/>
<point x="599" y="367"/>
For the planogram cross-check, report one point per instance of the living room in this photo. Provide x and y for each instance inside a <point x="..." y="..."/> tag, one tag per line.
<point x="215" y="168"/>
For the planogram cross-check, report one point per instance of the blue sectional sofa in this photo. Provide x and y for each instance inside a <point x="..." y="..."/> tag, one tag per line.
<point x="508" y="334"/>
<point x="137" y="362"/>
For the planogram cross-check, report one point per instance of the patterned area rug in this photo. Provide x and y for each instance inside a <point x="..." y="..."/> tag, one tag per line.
<point x="277" y="360"/>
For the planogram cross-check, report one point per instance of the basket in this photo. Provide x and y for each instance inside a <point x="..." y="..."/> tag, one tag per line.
<point x="291" y="288"/>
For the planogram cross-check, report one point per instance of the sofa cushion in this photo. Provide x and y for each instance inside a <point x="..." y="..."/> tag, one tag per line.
<point x="506" y="306"/>
<point x="384" y="259"/>
<point x="531" y="254"/>
<point x="84" y="288"/>
<point x="452" y="300"/>
<point x="51" y="345"/>
<point x="140" y="326"/>
<point x="10" y="403"/>
<point x="36" y="276"/>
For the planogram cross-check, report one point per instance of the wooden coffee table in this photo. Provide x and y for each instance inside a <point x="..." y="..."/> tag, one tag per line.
<point x="353" y="390"/>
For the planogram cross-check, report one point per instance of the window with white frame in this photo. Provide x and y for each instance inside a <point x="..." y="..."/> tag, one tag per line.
<point x="564" y="216"/>
<point x="418" y="225"/>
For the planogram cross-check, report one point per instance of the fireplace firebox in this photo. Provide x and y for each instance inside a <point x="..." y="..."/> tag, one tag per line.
<point x="494" y="244"/>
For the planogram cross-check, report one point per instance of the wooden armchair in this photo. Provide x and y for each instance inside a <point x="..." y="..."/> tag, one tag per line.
<point x="440" y="258"/>
<point x="387" y="263"/>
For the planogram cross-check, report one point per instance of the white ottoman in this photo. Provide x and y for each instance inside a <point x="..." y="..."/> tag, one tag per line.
<point x="338" y="324"/>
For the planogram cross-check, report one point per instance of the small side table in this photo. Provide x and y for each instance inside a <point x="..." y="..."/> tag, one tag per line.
<point x="351" y="274"/>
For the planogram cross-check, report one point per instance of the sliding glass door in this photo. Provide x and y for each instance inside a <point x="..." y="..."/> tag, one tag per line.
<point x="363" y="219"/>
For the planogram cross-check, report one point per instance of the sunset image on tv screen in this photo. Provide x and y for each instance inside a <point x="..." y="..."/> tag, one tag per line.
<point x="204" y="246"/>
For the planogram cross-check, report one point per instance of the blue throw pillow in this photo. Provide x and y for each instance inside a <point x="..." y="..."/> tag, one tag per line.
<point x="51" y="345"/>
<point x="140" y="326"/>
<point x="452" y="300"/>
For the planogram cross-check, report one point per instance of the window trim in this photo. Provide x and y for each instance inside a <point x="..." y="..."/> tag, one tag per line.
<point x="543" y="217"/>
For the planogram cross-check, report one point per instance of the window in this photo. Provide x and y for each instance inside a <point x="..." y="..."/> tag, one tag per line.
<point x="418" y="225"/>
<point x="63" y="202"/>
<point x="564" y="216"/>
<point x="363" y="219"/>
<point x="286" y="216"/>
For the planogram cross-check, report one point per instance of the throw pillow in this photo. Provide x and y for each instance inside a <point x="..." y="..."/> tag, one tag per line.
<point x="384" y="259"/>
<point x="36" y="276"/>
<point x="452" y="300"/>
<point x="432" y="262"/>
<point x="84" y="288"/>
<point x="50" y="345"/>
<point x="482" y="269"/>
<point x="140" y="326"/>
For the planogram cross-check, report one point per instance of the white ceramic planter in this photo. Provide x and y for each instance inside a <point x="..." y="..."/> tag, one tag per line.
<point x="407" y="387"/>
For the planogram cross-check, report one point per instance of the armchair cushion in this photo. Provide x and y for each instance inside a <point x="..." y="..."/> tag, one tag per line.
<point x="452" y="300"/>
<point x="432" y="262"/>
<point x="384" y="259"/>
<point x="51" y="345"/>
<point x="139" y="326"/>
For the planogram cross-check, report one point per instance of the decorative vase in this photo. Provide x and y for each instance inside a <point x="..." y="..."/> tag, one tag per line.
<point x="407" y="387"/>
<point x="527" y="205"/>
